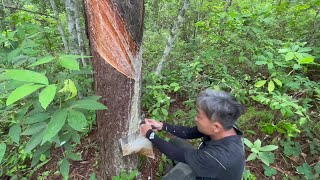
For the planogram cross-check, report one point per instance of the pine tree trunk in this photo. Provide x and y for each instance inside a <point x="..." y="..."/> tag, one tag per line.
<point x="60" y="27"/>
<point x="172" y="36"/>
<point x="115" y="31"/>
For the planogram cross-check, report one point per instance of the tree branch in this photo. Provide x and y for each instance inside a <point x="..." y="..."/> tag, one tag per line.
<point x="20" y="9"/>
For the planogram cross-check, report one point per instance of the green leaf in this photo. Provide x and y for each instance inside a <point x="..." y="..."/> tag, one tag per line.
<point x="260" y="83"/>
<point x="271" y="86"/>
<point x="26" y="76"/>
<point x="64" y="167"/>
<point x="42" y="61"/>
<point x="22" y="92"/>
<point x="3" y="148"/>
<point x="34" y="141"/>
<point x="247" y="142"/>
<point x="69" y="87"/>
<point x="35" y="118"/>
<point x="268" y="171"/>
<point x="34" y="128"/>
<point x="261" y="62"/>
<point x="88" y="104"/>
<point x="47" y="95"/>
<point x="257" y="143"/>
<point x="266" y="158"/>
<point x="306" y="170"/>
<point x="277" y="81"/>
<point x="306" y="60"/>
<point x="77" y="120"/>
<point x="289" y="56"/>
<point x="14" y="133"/>
<point x="316" y="167"/>
<point x="69" y="62"/>
<point x="164" y="111"/>
<point x="73" y="156"/>
<point x="269" y="148"/>
<point x="283" y="50"/>
<point x="56" y="123"/>
<point x="75" y="137"/>
<point x="252" y="156"/>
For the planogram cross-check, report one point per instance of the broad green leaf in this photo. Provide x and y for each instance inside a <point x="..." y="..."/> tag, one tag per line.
<point x="306" y="170"/>
<point x="289" y="56"/>
<point x="3" y="148"/>
<point x="268" y="171"/>
<point x="69" y="87"/>
<point x="14" y="133"/>
<point x="35" y="118"/>
<point x="277" y="81"/>
<point x="73" y="156"/>
<point x="247" y="142"/>
<point x="271" y="86"/>
<point x="64" y="167"/>
<point x="69" y="62"/>
<point x="257" y="143"/>
<point x="261" y="62"/>
<point x="94" y="98"/>
<point x="47" y="95"/>
<point x="34" y="141"/>
<point x="164" y="111"/>
<point x="26" y="76"/>
<point x="264" y="158"/>
<point x="305" y="49"/>
<point x="22" y="92"/>
<point x="306" y="60"/>
<point x="252" y="156"/>
<point x="75" y="137"/>
<point x="34" y="128"/>
<point x="77" y="120"/>
<point x="269" y="148"/>
<point x="283" y="50"/>
<point x="260" y="83"/>
<point x="56" y="123"/>
<point x="42" y="61"/>
<point x="88" y="104"/>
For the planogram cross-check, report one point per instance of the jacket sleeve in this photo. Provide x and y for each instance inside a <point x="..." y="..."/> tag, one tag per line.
<point x="182" y="131"/>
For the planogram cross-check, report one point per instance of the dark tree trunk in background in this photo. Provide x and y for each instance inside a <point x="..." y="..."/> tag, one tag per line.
<point x="115" y="31"/>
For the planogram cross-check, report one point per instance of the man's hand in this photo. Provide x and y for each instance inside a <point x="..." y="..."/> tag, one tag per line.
<point x="144" y="128"/>
<point x="156" y="124"/>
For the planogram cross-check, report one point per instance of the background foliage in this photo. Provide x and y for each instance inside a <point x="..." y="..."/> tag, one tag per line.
<point x="266" y="53"/>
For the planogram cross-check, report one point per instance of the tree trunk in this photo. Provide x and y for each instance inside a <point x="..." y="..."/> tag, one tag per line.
<point x="70" y="11"/>
<point x="172" y="37"/>
<point x="115" y="31"/>
<point x="79" y="30"/>
<point x="60" y="27"/>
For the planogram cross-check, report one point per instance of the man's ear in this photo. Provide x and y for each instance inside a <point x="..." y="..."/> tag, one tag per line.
<point x="216" y="127"/>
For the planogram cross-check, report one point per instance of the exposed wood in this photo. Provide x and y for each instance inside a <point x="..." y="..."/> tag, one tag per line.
<point x="73" y="41"/>
<point x="115" y="31"/>
<point x="172" y="37"/>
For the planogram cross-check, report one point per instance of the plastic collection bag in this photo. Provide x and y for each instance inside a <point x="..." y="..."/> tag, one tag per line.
<point x="136" y="143"/>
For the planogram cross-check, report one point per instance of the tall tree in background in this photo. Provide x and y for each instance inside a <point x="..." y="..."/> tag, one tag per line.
<point x="172" y="36"/>
<point x="115" y="30"/>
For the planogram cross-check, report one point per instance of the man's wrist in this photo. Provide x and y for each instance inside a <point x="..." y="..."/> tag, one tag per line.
<point x="148" y="134"/>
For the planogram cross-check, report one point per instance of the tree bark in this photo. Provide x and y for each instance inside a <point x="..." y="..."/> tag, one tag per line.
<point x="172" y="36"/>
<point x="79" y="32"/>
<point x="70" y="11"/>
<point x="115" y="31"/>
<point x="60" y="27"/>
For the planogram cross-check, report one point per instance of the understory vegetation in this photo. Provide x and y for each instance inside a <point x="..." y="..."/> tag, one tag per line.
<point x="266" y="53"/>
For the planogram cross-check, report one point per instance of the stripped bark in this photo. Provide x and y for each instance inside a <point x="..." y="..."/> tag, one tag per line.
<point x="115" y="31"/>
<point x="60" y="27"/>
<point x="172" y="37"/>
